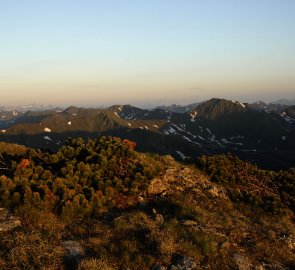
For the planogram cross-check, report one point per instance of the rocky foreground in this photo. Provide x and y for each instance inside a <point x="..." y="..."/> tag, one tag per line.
<point x="101" y="205"/>
<point x="181" y="199"/>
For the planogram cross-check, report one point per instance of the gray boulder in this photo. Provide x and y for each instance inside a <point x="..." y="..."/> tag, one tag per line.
<point x="180" y="262"/>
<point x="74" y="252"/>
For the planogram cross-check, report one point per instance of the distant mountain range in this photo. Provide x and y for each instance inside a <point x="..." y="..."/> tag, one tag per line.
<point x="29" y="107"/>
<point x="258" y="105"/>
<point x="285" y="102"/>
<point x="179" y="108"/>
<point x="260" y="132"/>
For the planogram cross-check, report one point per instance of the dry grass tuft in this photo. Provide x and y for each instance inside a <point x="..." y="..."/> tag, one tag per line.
<point x="94" y="264"/>
<point x="30" y="251"/>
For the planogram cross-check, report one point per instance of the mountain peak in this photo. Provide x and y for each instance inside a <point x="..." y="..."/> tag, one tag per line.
<point x="215" y="108"/>
<point x="71" y="110"/>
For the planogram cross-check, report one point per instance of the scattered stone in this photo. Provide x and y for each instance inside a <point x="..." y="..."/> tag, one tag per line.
<point x="275" y="266"/>
<point x="212" y="191"/>
<point x="242" y="262"/>
<point x="73" y="253"/>
<point x="140" y="199"/>
<point x="224" y="246"/>
<point x="157" y="187"/>
<point x="159" y="219"/>
<point x="7" y="221"/>
<point x="169" y="158"/>
<point x="189" y="223"/>
<point x="73" y="248"/>
<point x="158" y="267"/>
<point x="290" y="242"/>
<point x="180" y="262"/>
<point x="259" y="267"/>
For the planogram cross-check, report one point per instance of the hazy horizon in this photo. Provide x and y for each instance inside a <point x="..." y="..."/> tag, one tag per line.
<point x="140" y="104"/>
<point x="148" y="52"/>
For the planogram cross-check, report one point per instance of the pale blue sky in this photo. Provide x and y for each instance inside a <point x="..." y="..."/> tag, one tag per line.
<point x="145" y="51"/>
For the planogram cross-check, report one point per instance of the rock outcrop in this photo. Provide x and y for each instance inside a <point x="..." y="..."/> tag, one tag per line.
<point x="74" y="252"/>
<point x="8" y="222"/>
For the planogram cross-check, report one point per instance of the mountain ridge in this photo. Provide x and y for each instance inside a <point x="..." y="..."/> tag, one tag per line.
<point x="213" y="126"/>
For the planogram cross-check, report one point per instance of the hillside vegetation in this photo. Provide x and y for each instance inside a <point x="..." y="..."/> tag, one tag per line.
<point x="257" y="134"/>
<point x="81" y="178"/>
<point x="99" y="204"/>
<point x="245" y="182"/>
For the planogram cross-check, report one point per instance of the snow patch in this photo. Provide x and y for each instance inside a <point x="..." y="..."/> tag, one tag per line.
<point x="179" y="129"/>
<point x="47" y="129"/>
<point x="155" y="126"/>
<point x="189" y="133"/>
<point x="171" y="130"/>
<point x="224" y="140"/>
<point x="146" y="127"/>
<point x="70" y="123"/>
<point x="183" y="157"/>
<point x="47" y="138"/>
<point x="116" y="114"/>
<point x="240" y="103"/>
<point x="200" y="137"/>
<point x="193" y="116"/>
<point x="289" y="119"/>
<point x="189" y="140"/>
<point x="3" y="130"/>
<point x="129" y="125"/>
<point x="186" y="138"/>
<point x="213" y="139"/>
<point x="237" y="137"/>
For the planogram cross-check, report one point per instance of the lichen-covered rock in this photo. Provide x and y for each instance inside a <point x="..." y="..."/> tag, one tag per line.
<point x="275" y="266"/>
<point x="189" y="223"/>
<point x="157" y="186"/>
<point x="182" y="263"/>
<point x="159" y="219"/>
<point x="7" y="221"/>
<point x="242" y="262"/>
<point x="74" y="252"/>
<point x="290" y="243"/>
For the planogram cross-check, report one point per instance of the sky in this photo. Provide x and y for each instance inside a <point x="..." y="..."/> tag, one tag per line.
<point x="145" y="52"/>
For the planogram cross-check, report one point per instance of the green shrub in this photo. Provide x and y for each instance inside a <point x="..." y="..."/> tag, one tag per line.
<point x="245" y="182"/>
<point x="84" y="178"/>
